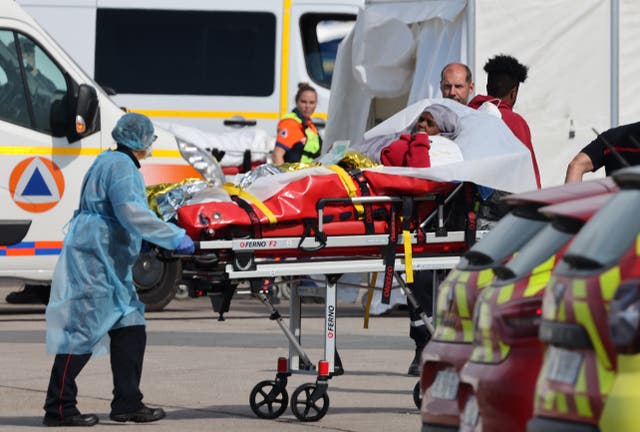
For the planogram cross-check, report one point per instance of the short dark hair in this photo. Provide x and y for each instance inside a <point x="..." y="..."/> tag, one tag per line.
<point x="503" y="74"/>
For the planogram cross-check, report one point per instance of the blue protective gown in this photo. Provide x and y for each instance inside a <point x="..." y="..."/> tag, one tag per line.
<point x="92" y="289"/>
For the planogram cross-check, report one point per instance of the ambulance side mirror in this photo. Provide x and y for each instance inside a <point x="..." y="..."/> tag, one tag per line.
<point x="86" y="113"/>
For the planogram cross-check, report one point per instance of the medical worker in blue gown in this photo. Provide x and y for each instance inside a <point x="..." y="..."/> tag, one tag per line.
<point x="94" y="306"/>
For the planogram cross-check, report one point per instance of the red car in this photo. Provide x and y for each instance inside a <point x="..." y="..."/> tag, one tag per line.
<point x="499" y="379"/>
<point x="589" y="377"/>
<point x="450" y="346"/>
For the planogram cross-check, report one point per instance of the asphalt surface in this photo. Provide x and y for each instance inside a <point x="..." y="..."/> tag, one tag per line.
<point x="202" y="371"/>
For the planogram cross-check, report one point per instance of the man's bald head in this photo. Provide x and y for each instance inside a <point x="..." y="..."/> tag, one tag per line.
<point x="456" y="82"/>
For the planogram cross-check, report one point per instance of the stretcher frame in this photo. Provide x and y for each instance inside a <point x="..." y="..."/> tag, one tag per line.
<point x="257" y="269"/>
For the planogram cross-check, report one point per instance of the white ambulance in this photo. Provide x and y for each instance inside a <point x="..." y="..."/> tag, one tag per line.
<point x="54" y="120"/>
<point x="211" y="64"/>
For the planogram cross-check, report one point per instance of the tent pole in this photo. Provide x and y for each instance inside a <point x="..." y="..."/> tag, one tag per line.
<point x="471" y="35"/>
<point x="615" y="61"/>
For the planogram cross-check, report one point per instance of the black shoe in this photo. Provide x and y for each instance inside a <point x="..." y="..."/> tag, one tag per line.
<point x="30" y="294"/>
<point x="76" y="420"/>
<point x="143" y="415"/>
<point x="414" y="367"/>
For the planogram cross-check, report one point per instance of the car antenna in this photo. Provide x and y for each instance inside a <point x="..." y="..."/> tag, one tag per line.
<point x="615" y="152"/>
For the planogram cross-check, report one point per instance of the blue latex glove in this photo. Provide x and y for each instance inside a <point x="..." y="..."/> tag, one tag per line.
<point x="186" y="246"/>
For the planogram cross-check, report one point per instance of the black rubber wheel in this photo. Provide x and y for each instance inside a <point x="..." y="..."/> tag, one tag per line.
<point x="416" y="395"/>
<point x="156" y="281"/>
<point x="266" y="405"/>
<point x="304" y="408"/>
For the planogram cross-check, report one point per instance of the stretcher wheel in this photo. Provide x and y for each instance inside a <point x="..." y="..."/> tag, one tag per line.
<point x="416" y="395"/>
<point x="304" y="408"/>
<point x="267" y="401"/>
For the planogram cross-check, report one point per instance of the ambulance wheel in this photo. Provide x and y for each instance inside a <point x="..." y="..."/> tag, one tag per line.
<point x="304" y="408"/>
<point x="156" y="281"/>
<point x="416" y="395"/>
<point x="264" y="403"/>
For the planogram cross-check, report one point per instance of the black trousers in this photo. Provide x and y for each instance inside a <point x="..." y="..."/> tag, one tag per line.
<point x="422" y="289"/>
<point x="127" y="353"/>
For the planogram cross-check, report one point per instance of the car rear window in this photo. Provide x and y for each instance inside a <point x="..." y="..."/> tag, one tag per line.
<point x="507" y="237"/>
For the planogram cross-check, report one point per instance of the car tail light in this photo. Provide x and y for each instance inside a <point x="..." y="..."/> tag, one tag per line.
<point x="624" y="317"/>
<point x="522" y="319"/>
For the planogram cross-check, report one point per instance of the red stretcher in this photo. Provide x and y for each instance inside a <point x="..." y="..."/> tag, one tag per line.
<point x="326" y="224"/>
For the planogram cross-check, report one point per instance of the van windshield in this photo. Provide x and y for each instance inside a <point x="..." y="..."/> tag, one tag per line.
<point x="609" y="234"/>
<point x="508" y="236"/>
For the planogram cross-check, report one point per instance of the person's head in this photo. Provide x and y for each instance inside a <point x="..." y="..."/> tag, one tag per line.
<point x="504" y="75"/>
<point x="438" y="119"/>
<point x="456" y="82"/>
<point x="28" y="52"/>
<point x="135" y="131"/>
<point x="306" y="99"/>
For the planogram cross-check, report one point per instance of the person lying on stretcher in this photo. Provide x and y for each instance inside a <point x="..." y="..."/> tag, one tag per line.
<point x="429" y="143"/>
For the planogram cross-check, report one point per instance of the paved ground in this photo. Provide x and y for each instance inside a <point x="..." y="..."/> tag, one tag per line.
<point x="201" y="371"/>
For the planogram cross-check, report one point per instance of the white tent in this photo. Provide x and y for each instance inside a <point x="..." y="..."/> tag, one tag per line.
<point x="583" y="58"/>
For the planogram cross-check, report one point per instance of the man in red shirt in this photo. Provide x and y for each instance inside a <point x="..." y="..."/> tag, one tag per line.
<point x="504" y="75"/>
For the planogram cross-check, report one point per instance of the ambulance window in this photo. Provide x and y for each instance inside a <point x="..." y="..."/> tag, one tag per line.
<point x="13" y="100"/>
<point x="609" y="234"/>
<point x="226" y="53"/>
<point x="46" y="85"/>
<point x="321" y="35"/>
<point x="33" y="88"/>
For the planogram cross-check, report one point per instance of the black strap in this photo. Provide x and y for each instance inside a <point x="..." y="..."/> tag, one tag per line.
<point x="253" y="217"/>
<point x="311" y="229"/>
<point x="390" y="256"/>
<point x="364" y="191"/>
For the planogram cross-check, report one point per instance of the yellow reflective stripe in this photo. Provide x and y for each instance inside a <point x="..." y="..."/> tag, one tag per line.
<point x="447" y="333"/>
<point x="549" y="398"/>
<point x="583" y="406"/>
<point x="504" y="350"/>
<point x="606" y="377"/>
<point x="609" y="282"/>
<point x="581" y="379"/>
<point x="284" y="52"/>
<point x="442" y="296"/>
<point x="561" y="313"/>
<point x="539" y="279"/>
<point x="583" y="316"/>
<point x="484" y="277"/>
<point x="579" y="288"/>
<point x="461" y="299"/>
<point x="638" y="245"/>
<point x="486" y="346"/>
<point x="561" y="403"/>
<point x="505" y="293"/>
<point x="464" y="276"/>
<point x="467" y="330"/>
<point x="234" y="190"/>
<point x="408" y="256"/>
<point x="262" y="115"/>
<point x="50" y="151"/>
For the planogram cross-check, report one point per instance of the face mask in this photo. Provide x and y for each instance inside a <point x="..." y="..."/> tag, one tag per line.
<point x="147" y="152"/>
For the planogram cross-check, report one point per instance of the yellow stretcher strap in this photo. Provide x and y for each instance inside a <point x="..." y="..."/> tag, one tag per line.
<point x="235" y="190"/>
<point x="408" y="255"/>
<point x="372" y="286"/>
<point x="349" y="185"/>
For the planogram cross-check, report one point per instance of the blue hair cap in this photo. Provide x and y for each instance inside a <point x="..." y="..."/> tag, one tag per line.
<point x="134" y="131"/>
